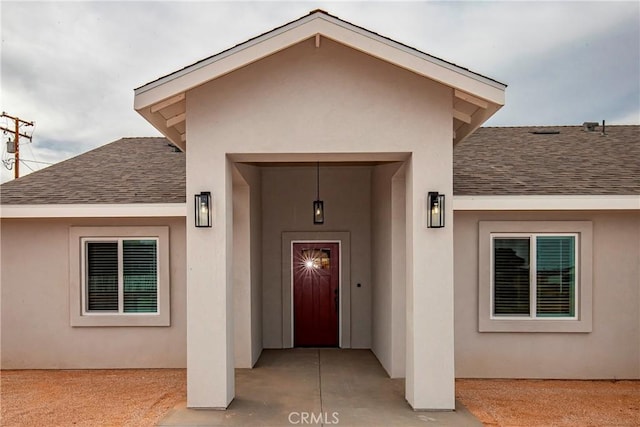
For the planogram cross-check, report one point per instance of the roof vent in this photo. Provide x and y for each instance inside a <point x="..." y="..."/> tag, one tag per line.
<point x="174" y="147"/>
<point x="546" y="132"/>
<point x="589" y="126"/>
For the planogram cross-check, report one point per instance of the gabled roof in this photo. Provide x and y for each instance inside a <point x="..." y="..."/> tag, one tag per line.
<point x="162" y="102"/>
<point x="509" y="161"/>
<point x="129" y="170"/>
<point x="562" y="160"/>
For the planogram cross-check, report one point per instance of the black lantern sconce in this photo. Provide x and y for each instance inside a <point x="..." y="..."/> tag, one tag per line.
<point x="435" y="210"/>
<point x="318" y="212"/>
<point x="203" y="209"/>
<point x="318" y="205"/>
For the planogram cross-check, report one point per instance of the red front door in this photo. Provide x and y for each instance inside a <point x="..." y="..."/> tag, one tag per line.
<point x="315" y="294"/>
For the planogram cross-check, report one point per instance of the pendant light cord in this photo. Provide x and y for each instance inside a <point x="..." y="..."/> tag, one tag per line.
<point x="318" y="181"/>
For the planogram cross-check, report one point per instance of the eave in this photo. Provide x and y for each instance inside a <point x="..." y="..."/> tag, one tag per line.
<point x="460" y="203"/>
<point x="475" y="97"/>
<point x="547" y="203"/>
<point x="98" y="210"/>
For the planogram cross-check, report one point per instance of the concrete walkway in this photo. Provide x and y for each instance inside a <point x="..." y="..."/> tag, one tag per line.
<point x="317" y="387"/>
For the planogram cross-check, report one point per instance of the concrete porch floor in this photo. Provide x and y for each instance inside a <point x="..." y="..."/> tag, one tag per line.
<point x="317" y="387"/>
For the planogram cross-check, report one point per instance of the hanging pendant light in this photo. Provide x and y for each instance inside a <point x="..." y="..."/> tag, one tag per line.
<point x="318" y="205"/>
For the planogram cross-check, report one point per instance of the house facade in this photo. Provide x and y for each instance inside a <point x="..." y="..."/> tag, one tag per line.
<point x="533" y="274"/>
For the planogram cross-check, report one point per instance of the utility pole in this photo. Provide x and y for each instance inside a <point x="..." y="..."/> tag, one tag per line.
<point x="16" y="139"/>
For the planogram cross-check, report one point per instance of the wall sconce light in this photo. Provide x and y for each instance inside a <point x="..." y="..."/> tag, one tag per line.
<point x="435" y="210"/>
<point x="203" y="209"/>
<point x="318" y="205"/>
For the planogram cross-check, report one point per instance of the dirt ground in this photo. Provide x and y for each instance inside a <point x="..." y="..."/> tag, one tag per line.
<point x="143" y="397"/>
<point x="136" y="397"/>
<point x="551" y="402"/>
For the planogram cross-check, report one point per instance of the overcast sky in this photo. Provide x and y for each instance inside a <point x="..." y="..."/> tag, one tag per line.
<point x="71" y="67"/>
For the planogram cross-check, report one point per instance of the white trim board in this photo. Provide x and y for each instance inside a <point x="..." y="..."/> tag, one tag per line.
<point x="307" y="27"/>
<point x="470" y="87"/>
<point x="460" y="203"/>
<point x="94" y="210"/>
<point x="545" y="203"/>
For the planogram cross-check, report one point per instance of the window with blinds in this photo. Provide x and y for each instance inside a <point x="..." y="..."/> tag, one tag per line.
<point x="121" y="276"/>
<point x="534" y="276"/>
<point x="102" y="276"/>
<point x="140" y="276"/>
<point x="511" y="284"/>
<point x="555" y="276"/>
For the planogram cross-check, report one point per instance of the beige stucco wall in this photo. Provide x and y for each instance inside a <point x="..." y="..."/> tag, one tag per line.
<point x="611" y="350"/>
<point x="36" y="331"/>
<point x="314" y="104"/>
<point x="388" y="267"/>
<point x="247" y="247"/>
<point x="254" y="179"/>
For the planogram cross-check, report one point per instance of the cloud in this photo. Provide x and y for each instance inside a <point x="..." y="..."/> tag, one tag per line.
<point x="594" y="78"/>
<point x="72" y="66"/>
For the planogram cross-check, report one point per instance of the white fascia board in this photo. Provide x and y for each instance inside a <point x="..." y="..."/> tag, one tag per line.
<point x="417" y="62"/>
<point x="545" y="203"/>
<point x="221" y="64"/>
<point x="94" y="210"/>
<point x="332" y="28"/>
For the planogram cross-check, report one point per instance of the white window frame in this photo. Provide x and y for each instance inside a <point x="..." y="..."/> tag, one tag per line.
<point x="83" y="268"/>
<point x="581" y="323"/>
<point x="78" y="236"/>
<point x="533" y="270"/>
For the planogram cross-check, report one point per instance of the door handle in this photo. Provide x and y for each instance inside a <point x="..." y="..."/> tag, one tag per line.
<point x="335" y="299"/>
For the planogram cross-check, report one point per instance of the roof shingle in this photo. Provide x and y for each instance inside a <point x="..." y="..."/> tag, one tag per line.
<point x="517" y="161"/>
<point x="130" y="170"/>
<point x="492" y="161"/>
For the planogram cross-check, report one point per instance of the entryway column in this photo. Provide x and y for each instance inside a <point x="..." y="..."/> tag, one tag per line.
<point x="210" y="361"/>
<point x="430" y="381"/>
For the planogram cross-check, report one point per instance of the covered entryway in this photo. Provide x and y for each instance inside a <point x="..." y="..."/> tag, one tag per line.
<point x="320" y="89"/>
<point x="318" y="387"/>
<point x="316" y="298"/>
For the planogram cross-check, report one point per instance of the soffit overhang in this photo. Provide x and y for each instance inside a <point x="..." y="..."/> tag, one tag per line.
<point x="475" y="97"/>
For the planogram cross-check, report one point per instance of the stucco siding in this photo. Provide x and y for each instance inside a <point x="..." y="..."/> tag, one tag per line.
<point x="329" y="104"/>
<point x="247" y="250"/>
<point x="36" y="330"/>
<point x="388" y="267"/>
<point x="381" y="268"/>
<point x="610" y="350"/>
<point x="317" y="100"/>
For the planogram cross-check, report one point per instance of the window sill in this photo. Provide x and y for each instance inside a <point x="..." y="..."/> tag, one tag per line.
<point x="120" y="320"/>
<point x="534" y="325"/>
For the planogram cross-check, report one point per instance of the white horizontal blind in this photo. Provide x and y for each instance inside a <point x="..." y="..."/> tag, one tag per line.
<point x="511" y="276"/>
<point x="555" y="276"/>
<point x="102" y="276"/>
<point x="140" y="276"/>
<point x="121" y="275"/>
<point x="534" y="275"/>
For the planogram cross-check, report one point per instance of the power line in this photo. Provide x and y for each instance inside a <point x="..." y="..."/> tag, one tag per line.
<point x="33" y="154"/>
<point x="36" y="161"/>
<point x="25" y="163"/>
